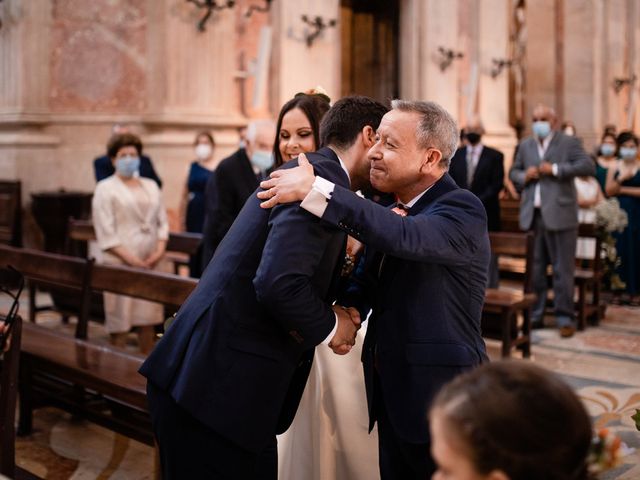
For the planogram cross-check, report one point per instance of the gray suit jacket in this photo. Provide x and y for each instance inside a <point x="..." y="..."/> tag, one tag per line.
<point x="559" y="204"/>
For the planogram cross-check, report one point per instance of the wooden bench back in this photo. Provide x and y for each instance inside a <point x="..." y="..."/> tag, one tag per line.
<point x="518" y="245"/>
<point x="184" y="242"/>
<point x="54" y="270"/>
<point x="165" y="288"/>
<point x="86" y="276"/>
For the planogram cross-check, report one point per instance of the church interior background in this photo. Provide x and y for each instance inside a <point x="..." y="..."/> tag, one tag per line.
<point x="69" y="69"/>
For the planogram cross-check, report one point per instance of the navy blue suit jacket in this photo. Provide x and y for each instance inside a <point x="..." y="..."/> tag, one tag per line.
<point x="227" y="189"/>
<point x="426" y="292"/>
<point x="488" y="180"/>
<point x="103" y="168"/>
<point x="239" y="351"/>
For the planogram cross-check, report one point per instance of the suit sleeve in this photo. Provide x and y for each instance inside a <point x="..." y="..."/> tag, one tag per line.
<point x="518" y="170"/>
<point x="223" y="210"/>
<point x="497" y="177"/>
<point x="445" y="235"/>
<point x="295" y="246"/>
<point x="152" y="172"/>
<point x="102" y="168"/>
<point x="579" y="163"/>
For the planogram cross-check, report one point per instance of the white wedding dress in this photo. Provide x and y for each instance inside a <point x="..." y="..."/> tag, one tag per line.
<point x="328" y="439"/>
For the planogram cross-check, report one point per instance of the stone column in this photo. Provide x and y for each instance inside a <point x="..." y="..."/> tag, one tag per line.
<point x="541" y="55"/>
<point x="493" y="92"/>
<point x="582" y="34"/>
<point x="296" y="66"/>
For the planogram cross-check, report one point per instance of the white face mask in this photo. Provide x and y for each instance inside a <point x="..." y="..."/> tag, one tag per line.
<point x="262" y="160"/>
<point x="203" y="151"/>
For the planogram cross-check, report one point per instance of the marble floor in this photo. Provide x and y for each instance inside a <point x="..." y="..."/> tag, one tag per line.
<point x="602" y="364"/>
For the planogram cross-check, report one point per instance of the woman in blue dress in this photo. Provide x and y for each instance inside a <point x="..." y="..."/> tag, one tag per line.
<point x="623" y="181"/>
<point x="192" y="208"/>
<point x="606" y="158"/>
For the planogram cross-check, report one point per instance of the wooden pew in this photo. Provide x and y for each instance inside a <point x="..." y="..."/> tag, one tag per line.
<point x="98" y="382"/>
<point x="180" y="245"/>
<point x="506" y="304"/>
<point x="8" y="392"/>
<point x="589" y="277"/>
<point x="68" y="274"/>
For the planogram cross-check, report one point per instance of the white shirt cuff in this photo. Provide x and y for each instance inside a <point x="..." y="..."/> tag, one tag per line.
<point x="554" y="169"/>
<point x="316" y="200"/>
<point x="333" y="332"/>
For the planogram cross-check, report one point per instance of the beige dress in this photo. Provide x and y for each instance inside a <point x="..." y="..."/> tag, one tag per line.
<point x="136" y="219"/>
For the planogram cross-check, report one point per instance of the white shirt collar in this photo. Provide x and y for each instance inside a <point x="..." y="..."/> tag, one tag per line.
<point x="415" y="199"/>
<point x="344" y="167"/>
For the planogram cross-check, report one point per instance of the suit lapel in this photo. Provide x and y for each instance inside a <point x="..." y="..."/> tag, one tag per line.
<point x="484" y="158"/>
<point x="553" y="144"/>
<point x="442" y="186"/>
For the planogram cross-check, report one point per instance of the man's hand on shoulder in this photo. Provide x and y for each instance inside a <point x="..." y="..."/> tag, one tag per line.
<point x="287" y="185"/>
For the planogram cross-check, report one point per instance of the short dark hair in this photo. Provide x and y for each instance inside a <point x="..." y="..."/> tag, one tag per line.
<point x="314" y="108"/>
<point x="519" y="418"/>
<point x="346" y="119"/>
<point x="624" y="137"/>
<point x="205" y="133"/>
<point x="120" y="140"/>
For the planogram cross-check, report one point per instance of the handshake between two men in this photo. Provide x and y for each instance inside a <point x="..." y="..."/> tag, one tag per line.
<point x="347" y="325"/>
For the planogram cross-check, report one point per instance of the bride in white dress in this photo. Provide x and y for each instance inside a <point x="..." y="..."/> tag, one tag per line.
<point x="328" y="439"/>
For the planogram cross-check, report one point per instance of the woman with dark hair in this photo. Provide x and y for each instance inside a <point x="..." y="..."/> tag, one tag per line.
<point x="509" y="420"/>
<point x="328" y="438"/>
<point x="192" y="206"/>
<point x="623" y="181"/>
<point x="131" y="229"/>
<point x="298" y="127"/>
<point x="606" y="158"/>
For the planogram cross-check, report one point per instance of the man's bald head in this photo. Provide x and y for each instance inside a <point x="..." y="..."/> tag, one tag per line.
<point x="543" y="112"/>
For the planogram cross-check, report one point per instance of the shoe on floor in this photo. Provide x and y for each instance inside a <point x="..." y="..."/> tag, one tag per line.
<point x="567" y="331"/>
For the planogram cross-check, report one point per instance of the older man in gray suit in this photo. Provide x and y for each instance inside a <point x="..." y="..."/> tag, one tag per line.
<point x="544" y="168"/>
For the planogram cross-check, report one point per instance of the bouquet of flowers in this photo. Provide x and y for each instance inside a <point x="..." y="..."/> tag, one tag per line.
<point x="606" y="451"/>
<point x="611" y="218"/>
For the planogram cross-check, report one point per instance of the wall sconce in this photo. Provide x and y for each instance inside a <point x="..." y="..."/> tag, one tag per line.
<point x="499" y="64"/>
<point x="447" y="56"/>
<point x="620" y="83"/>
<point x="256" y="8"/>
<point x="210" y="5"/>
<point x="318" y="24"/>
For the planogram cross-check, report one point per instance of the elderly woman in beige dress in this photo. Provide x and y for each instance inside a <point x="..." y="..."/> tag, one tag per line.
<point x="131" y="229"/>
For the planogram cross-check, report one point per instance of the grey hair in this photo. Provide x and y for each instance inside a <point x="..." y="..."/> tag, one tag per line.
<point x="255" y="126"/>
<point x="436" y="128"/>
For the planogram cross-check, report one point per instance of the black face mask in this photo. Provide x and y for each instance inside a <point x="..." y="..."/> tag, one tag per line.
<point x="473" y="138"/>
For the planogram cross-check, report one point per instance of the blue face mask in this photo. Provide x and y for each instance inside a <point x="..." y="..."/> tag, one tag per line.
<point x="541" y="129"/>
<point x="262" y="160"/>
<point x="128" y="166"/>
<point x="607" y="150"/>
<point x="628" y="153"/>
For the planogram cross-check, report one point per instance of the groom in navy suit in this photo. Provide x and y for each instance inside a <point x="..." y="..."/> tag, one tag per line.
<point x="228" y="374"/>
<point x="425" y="274"/>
